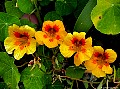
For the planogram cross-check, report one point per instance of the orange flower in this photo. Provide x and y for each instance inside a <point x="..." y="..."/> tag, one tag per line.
<point x="52" y="33"/>
<point x="20" y="41"/>
<point x="77" y="43"/>
<point x="99" y="63"/>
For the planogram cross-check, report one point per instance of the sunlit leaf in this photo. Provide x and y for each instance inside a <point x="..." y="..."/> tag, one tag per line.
<point x="32" y="79"/>
<point x="74" y="72"/>
<point x="84" y="22"/>
<point x="65" y="7"/>
<point x="52" y="16"/>
<point x="5" y="21"/>
<point x="12" y="9"/>
<point x="9" y="71"/>
<point x="106" y="16"/>
<point x="25" y="6"/>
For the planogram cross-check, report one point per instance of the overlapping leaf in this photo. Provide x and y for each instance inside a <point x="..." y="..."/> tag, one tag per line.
<point x="12" y="9"/>
<point x="5" y="21"/>
<point x="75" y="72"/>
<point x="32" y="79"/>
<point x="25" y="6"/>
<point x="9" y="71"/>
<point x="65" y="7"/>
<point x="106" y="16"/>
<point x="84" y="22"/>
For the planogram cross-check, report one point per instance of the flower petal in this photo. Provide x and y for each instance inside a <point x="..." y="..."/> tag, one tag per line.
<point x="98" y="72"/>
<point x="12" y="29"/>
<point x="59" y="24"/>
<point x="90" y="65"/>
<point x="67" y="39"/>
<point x="31" y="48"/>
<point x="39" y="35"/>
<point x="50" y="42"/>
<point x="80" y="35"/>
<point x="87" y="52"/>
<point x="28" y="29"/>
<point x="111" y="55"/>
<point x="47" y="23"/>
<point x="80" y="57"/>
<point x="107" y="69"/>
<point x="88" y="42"/>
<point x="18" y="53"/>
<point x="77" y="59"/>
<point x="9" y="45"/>
<point x="65" y="51"/>
<point x="98" y="49"/>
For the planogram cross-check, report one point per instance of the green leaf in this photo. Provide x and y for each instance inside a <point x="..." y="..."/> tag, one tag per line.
<point x="60" y="57"/>
<point x="118" y="74"/>
<point x="25" y="6"/>
<point x="56" y="85"/>
<point x="106" y="16"/>
<point x="27" y="22"/>
<point x="114" y="73"/>
<point x="80" y="7"/>
<point x="84" y="22"/>
<point x="100" y="85"/>
<point x="44" y="2"/>
<point x="3" y="85"/>
<point x="74" y="72"/>
<point x="86" y="85"/>
<point x="12" y="9"/>
<point x="5" y="21"/>
<point x="32" y="79"/>
<point x="52" y="16"/>
<point x="65" y="7"/>
<point x="9" y="71"/>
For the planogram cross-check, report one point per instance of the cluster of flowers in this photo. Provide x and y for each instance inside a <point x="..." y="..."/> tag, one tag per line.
<point x="23" y="40"/>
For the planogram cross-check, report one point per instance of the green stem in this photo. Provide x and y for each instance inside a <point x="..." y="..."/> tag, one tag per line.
<point x="38" y="13"/>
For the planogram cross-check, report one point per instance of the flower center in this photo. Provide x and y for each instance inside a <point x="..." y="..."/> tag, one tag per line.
<point x="51" y="31"/>
<point x="101" y="59"/>
<point x="77" y="44"/>
<point x="22" y="38"/>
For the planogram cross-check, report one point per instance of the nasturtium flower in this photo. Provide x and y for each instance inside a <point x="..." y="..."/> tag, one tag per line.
<point x="21" y="40"/>
<point x="77" y="43"/>
<point x="52" y="34"/>
<point x="99" y="64"/>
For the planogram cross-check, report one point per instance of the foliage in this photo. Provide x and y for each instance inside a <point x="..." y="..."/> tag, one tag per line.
<point x="56" y="44"/>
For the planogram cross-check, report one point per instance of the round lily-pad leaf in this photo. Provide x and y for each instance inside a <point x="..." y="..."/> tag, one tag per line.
<point x="106" y="16"/>
<point x="52" y="16"/>
<point x="65" y="7"/>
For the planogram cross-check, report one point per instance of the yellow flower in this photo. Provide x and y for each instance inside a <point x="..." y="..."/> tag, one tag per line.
<point x="20" y="41"/>
<point x="99" y="62"/>
<point x="52" y="33"/>
<point x="77" y="43"/>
